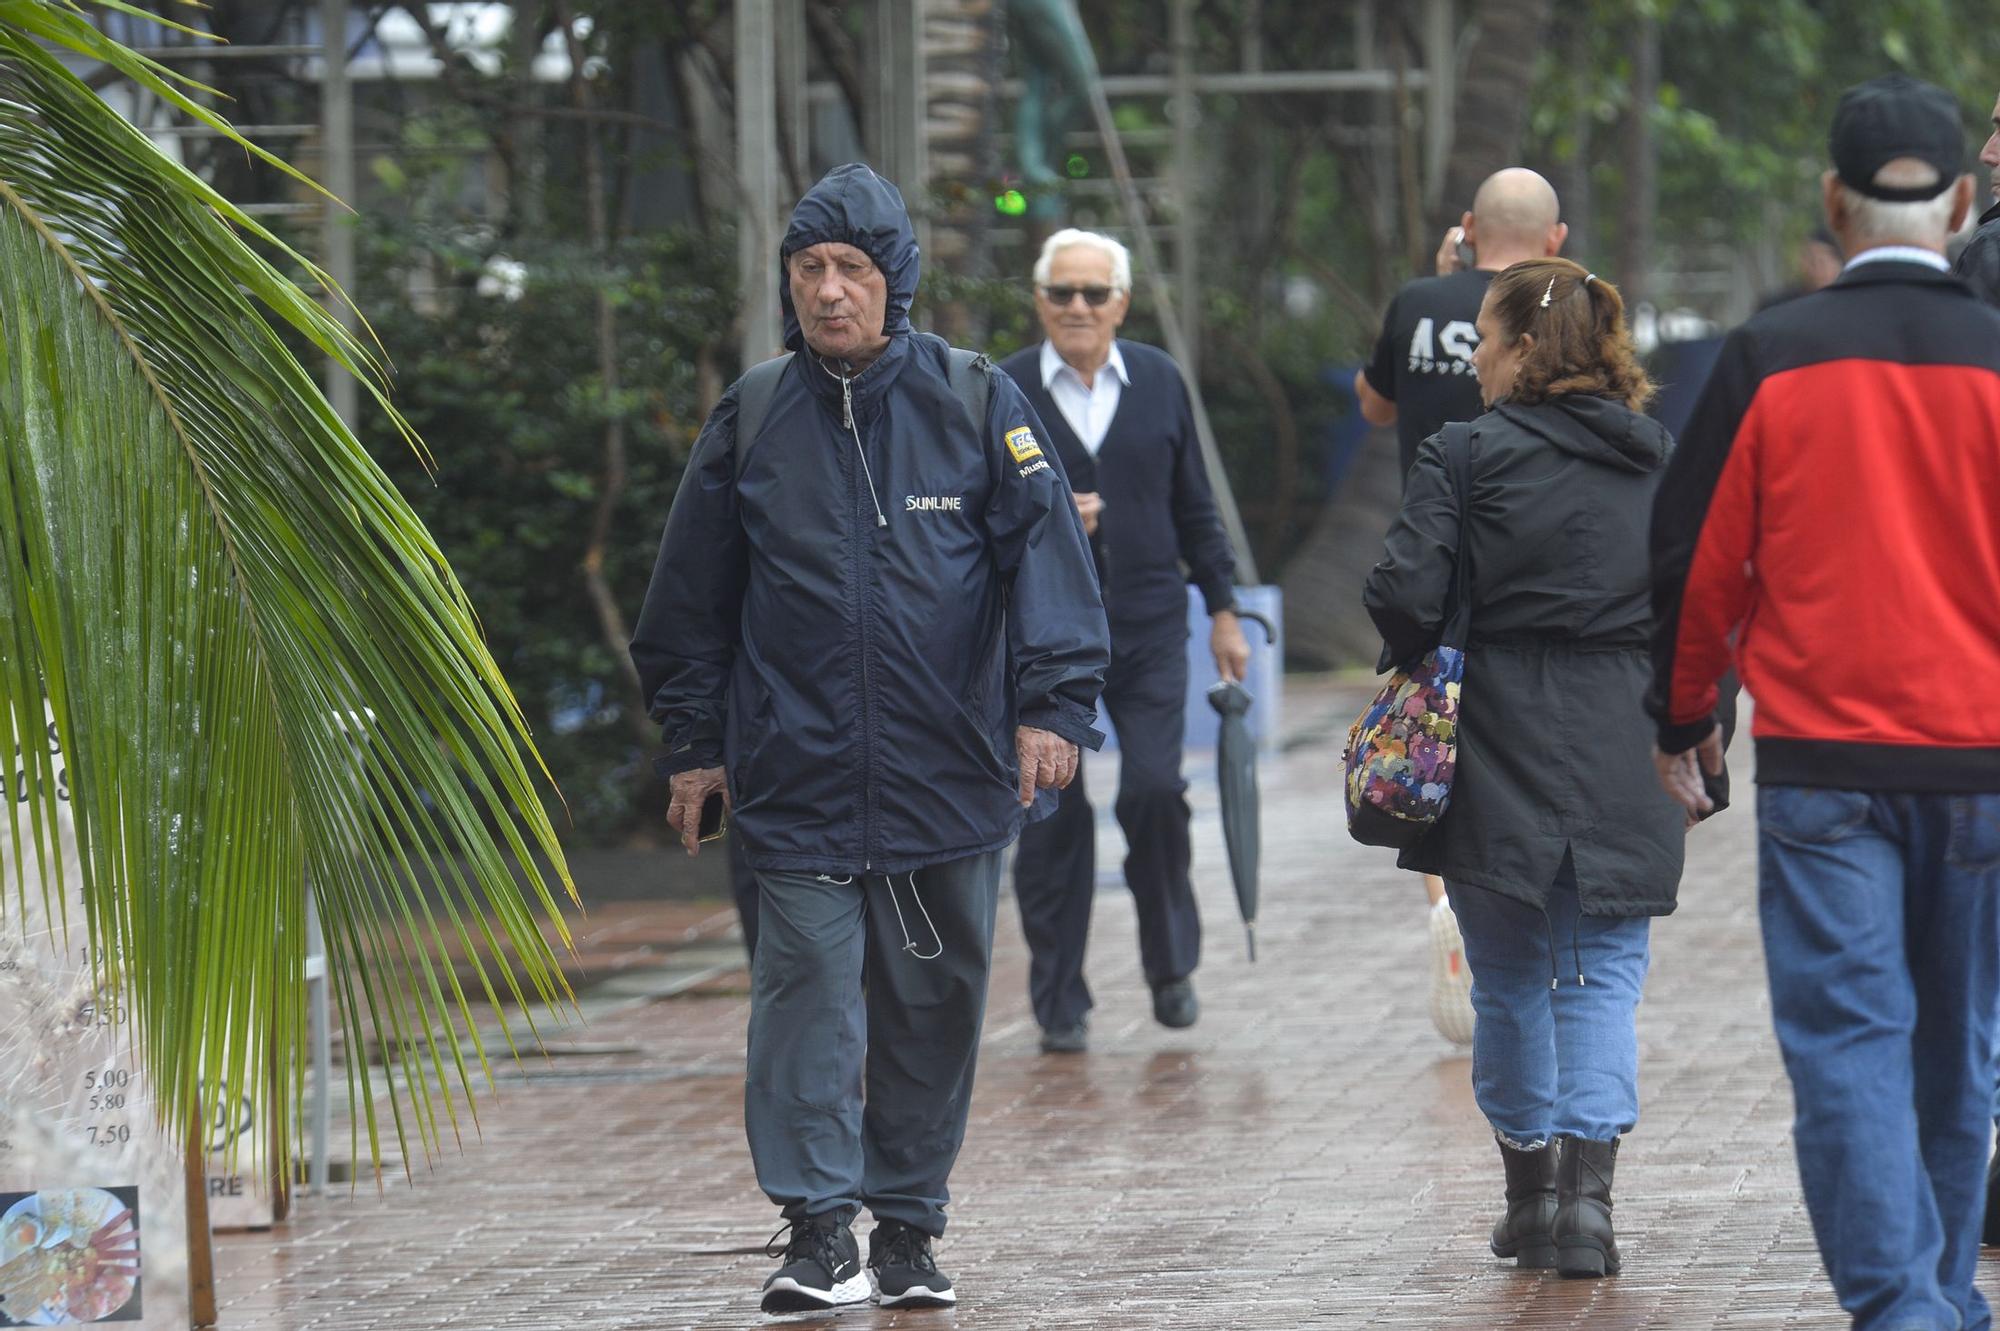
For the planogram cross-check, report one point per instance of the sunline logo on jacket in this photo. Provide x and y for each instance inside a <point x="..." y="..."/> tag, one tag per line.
<point x="933" y="503"/>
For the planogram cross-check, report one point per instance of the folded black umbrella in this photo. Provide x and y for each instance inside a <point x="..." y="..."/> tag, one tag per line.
<point x="1236" y="779"/>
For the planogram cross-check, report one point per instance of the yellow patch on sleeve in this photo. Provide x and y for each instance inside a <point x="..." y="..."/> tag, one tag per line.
<point x="1021" y="443"/>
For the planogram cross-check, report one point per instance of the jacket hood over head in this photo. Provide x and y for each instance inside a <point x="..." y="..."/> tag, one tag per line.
<point x="851" y="205"/>
<point x="1595" y="428"/>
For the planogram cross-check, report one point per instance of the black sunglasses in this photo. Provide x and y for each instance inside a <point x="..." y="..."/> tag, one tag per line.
<point x="1092" y="296"/>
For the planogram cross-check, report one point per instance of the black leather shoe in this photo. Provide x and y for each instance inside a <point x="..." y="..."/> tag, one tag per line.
<point x="1071" y="1039"/>
<point x="1585" y="1243"/>
<point x="1175" y="1005"/>
<point x="1527" y="1231"/>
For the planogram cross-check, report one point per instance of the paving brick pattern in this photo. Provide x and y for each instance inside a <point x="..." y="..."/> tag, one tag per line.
<point x="1307" y="1156"/>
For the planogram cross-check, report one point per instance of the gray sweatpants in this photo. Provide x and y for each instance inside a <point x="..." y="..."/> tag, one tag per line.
<point x="862" y="1043"/>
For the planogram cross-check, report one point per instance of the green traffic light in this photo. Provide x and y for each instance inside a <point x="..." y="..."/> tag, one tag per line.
<point x="1010" y="203"/>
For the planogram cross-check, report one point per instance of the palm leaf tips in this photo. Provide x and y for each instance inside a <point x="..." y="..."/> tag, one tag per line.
<point x="261" y="669"/>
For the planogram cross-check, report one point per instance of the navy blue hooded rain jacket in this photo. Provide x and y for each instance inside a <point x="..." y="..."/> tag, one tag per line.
<point x="862" y="682"/>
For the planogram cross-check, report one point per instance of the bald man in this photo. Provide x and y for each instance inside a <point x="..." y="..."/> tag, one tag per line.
<point x="1421" y="379"/>
<point x="1421" y="376"/>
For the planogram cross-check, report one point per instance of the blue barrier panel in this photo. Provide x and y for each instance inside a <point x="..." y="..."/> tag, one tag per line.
<point x="1266" y="680"/>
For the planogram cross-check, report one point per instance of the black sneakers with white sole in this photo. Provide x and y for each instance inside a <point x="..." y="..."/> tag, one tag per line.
<point x="822" y="1267"/>
<point x="906" y="1274"/>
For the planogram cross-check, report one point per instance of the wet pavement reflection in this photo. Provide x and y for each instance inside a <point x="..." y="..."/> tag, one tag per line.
<point x="1308" y="1155"/>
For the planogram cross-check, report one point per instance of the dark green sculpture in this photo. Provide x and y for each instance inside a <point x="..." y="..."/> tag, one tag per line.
<point x="1057" y="64"/>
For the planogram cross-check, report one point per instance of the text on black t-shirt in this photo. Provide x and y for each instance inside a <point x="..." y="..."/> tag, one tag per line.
<point x="1423" y="361"/>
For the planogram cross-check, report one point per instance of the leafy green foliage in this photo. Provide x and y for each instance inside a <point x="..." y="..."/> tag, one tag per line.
<point x="1747" y="91"/>
<point x="511" y="381"/>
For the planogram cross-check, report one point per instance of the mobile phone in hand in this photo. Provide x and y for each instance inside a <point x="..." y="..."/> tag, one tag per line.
<point x="714" y="818"/>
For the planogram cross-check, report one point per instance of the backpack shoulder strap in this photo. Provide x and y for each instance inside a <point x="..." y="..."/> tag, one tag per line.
<point x="972" y="380"/>
<point x="753" y="403"/>
<point x="971" y="374"/>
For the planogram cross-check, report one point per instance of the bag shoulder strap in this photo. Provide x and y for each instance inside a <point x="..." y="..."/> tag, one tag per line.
<point x="753" y="403"/>
<point x="1457" y="438"/>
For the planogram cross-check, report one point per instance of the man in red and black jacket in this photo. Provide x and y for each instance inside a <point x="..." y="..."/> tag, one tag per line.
<point x="1830" y="525"/>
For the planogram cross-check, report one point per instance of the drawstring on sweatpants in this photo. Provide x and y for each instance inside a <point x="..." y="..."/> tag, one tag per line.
<point x="910" y="944"/>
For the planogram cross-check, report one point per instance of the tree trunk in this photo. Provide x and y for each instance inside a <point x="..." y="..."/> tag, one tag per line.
<point x="1572" y="182"/>
<point x="1492" y="106"/>
<point x="1325" y="625"/>
<point x="1642" y="176"/>
<point x="961" y="73"/>
<point x="597" y="189"/>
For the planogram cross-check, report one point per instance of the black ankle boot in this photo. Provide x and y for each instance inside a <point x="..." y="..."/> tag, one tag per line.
<point x="1585" y="1244"/>
<point x="1527" y="1232"/>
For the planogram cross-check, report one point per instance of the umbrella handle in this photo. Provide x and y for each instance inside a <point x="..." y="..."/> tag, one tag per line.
<point x="1258" y="617"/>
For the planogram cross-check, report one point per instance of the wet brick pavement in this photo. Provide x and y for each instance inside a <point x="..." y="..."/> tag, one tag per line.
<point x="1308" y="1156"/>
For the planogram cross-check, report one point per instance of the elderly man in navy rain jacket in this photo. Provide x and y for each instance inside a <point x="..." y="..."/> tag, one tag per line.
<point x="875" y="629"/>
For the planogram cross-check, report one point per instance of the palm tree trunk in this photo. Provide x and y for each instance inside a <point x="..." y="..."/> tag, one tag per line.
<point x="1325" y="624"/>
<point x="1492" y="106"/>
<point x="1642" y="168"/>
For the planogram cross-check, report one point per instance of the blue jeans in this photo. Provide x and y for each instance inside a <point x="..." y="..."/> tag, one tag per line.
<point x="1882" y="938"/>
<point x="1561" y="1061"/>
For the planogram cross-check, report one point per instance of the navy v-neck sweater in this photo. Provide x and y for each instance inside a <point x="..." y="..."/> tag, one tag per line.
<point x="1158" y="509"/>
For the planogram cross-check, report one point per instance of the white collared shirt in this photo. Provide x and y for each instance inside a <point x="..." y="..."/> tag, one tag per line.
<point x="1088" y="410"/>
<point x="1899" y="254"/>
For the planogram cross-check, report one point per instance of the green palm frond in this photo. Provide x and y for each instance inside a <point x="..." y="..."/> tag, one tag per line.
<point x="206" y="579"/>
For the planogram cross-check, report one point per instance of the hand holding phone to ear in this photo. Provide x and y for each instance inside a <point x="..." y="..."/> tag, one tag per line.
<point x="1453" y="254"/>
<point x="691" y="793"/>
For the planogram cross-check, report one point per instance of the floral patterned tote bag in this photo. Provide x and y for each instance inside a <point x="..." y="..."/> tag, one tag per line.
<point x="1403" y="750"/>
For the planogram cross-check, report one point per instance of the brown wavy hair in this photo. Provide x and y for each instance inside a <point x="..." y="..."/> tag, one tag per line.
<point x="1578" y="323"/>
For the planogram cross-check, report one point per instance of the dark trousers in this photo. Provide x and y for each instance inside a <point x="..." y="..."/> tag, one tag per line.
<point x="856" y="1093"/>
<point x="743" y="891"/>
<point x="1055" y="865"/>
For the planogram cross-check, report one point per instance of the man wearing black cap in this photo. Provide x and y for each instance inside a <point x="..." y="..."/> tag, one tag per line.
<point x="1978" y="264"/>
<point x="1830" y="525"/>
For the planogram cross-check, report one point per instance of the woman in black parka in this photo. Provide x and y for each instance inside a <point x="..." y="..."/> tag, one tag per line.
<point x="1559" y="845"/>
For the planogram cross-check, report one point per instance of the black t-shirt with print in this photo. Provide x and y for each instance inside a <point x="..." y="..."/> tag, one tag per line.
<point x="1423" y="362"/>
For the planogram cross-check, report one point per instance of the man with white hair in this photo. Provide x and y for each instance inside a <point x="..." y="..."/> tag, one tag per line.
<point x="1118" y="415"/>
<point x="1830" y="525"/>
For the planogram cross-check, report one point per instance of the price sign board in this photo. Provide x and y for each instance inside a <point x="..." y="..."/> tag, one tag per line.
<point x="93" y="1201"/>
<point x="236" y="1198"/>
